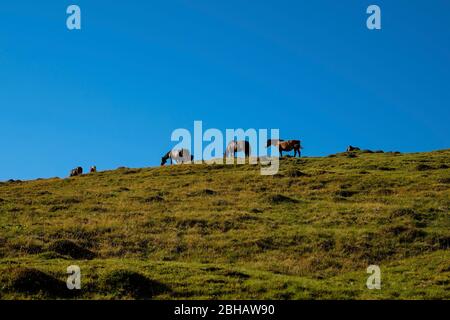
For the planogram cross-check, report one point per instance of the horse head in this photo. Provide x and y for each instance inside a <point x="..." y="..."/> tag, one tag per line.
<point x="164" y="158"/>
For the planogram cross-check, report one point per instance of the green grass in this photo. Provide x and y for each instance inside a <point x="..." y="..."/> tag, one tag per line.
<point x="226" y="232"/>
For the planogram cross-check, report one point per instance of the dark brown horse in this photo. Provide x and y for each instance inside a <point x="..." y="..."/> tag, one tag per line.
<point x="287" y="146"/>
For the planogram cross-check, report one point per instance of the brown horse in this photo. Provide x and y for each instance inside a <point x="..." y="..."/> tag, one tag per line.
<point x="287" y="146"/>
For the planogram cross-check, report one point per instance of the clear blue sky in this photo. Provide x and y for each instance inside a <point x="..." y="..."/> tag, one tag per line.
<point x="112" y="93"/>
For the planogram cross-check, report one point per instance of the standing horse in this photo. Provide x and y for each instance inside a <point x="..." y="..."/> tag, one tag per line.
<point x="76" y="172"/>
<point x="237" y="146"/>
<point x="287" y="146"/>
<point x="179" y="155"/>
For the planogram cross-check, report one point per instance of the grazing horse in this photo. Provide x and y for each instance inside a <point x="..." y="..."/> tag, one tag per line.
<point x="352" y="148"/>
<point x="236" y="146"/>
<point x="179" y="155"/>
<point x="76" y="172"/>
<point x="287" y="146"/>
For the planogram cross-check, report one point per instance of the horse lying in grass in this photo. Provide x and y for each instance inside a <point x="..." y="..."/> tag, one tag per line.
<point x="179" y="155"/>
<point x="287" y="146"/>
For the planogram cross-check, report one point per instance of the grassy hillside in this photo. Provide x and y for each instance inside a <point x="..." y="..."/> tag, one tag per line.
<point x="215" y="231"/>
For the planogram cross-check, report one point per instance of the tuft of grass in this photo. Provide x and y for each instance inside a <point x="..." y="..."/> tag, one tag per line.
<point x="279" y="198"/>
<point x="423" y="167"/>
<point x="294" y="173"/>
<point x="129" y="284"/>
<point x="71" y="249"/>
<point x="31" y="281"/>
